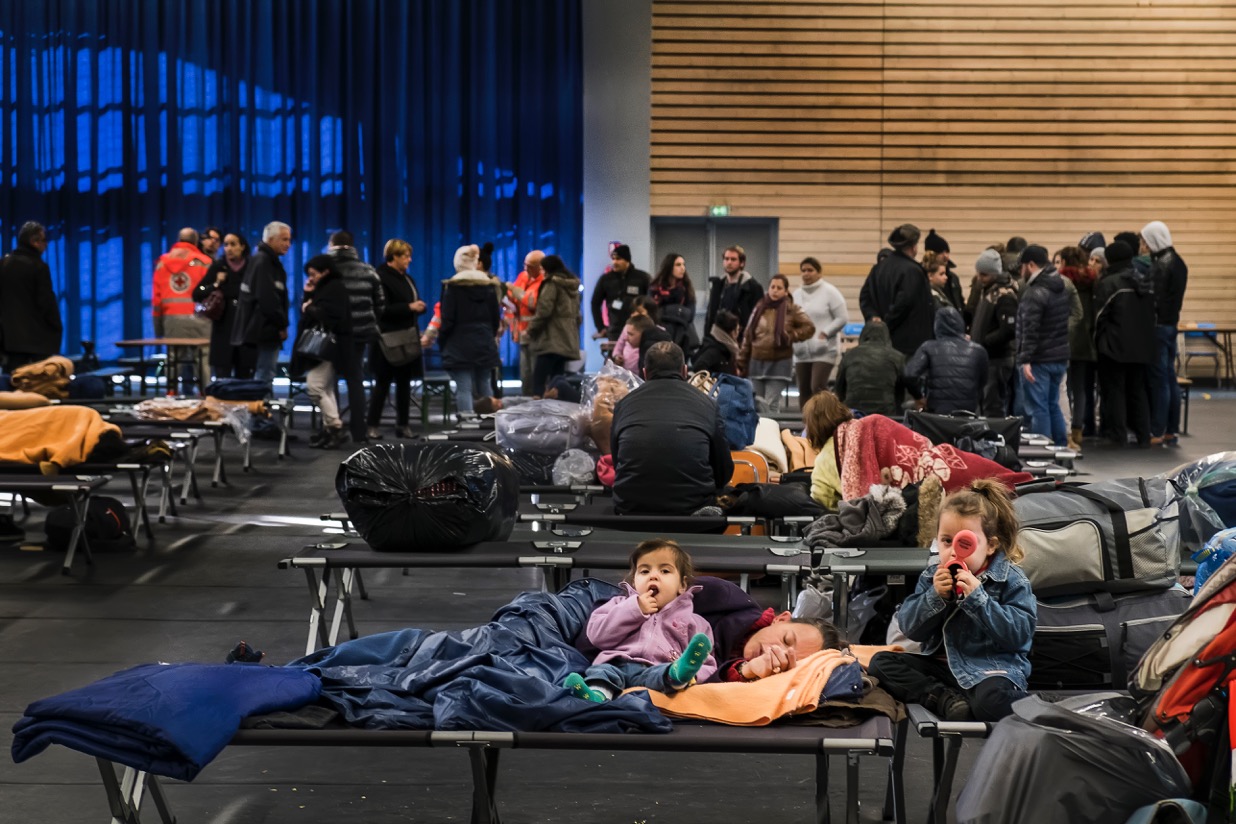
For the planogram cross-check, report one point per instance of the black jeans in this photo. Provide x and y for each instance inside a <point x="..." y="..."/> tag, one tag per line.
<point x="547" y="366"/>
<point x="383" y="375"/>
<point x="1125" y="402"/>
<point x="354" y="376"/>
<point x="999" y="389"/>
<point x="1081" y="385"/>
<point x="911" y="678"/>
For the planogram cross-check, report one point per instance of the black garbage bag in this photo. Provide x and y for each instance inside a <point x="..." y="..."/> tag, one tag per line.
<point x="404" y="497"/>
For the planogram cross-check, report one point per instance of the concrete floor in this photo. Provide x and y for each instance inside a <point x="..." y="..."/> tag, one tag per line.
<point x="210" y="579"/>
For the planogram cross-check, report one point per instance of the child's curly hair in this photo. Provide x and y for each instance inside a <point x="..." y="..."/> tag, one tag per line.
<point x="990" y="501"/>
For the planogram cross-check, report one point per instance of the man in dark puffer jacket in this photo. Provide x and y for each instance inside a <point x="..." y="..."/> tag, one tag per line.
<point x="870" y="376"/>
<point x="951" y="369"/>
<point x="1043" y="343"/>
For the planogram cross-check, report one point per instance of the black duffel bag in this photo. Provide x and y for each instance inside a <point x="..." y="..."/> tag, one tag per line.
<point x="996" y="439"/>
<point x="428" y="497"/>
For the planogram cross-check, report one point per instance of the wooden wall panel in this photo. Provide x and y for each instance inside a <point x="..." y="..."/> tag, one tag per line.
<point x="982" y="119"/>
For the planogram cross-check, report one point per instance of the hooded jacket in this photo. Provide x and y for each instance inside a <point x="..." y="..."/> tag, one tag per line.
<point x="952" y="369"/>
<point x="825" y="306"/>
<point x="1125" y="317"/>
<point x="870" y="376"/>
<point x="995" y="318"/>
<point x="897" y="292"/>
<point x="554" y="329"/>
<point x="1081" y="333"/>
<point x="1170" y="276"/>
<point x="470" y="322"/>
<point x="1043" y="320"/>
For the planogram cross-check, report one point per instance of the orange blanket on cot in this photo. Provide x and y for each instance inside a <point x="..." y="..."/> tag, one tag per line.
<point x="756" y="703"/>
<point x="54" y="437"/>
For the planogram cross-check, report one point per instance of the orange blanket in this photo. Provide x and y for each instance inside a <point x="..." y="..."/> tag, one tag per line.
<point x="54" y="437"/>
<point x="756" y="703"/>
<point x="48" y="377"/>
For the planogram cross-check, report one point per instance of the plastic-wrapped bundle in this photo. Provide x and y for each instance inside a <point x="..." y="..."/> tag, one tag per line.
<point x="575" y="466"/>
<point x="433" y="496"/>
<point x="544" y="427"/>
<point x="1207" y="490"/>
<point x="601" y="392"/>
<point x="531" y="467"/>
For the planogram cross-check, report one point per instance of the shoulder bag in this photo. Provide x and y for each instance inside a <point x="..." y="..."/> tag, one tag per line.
<point x="318" y="344"/>
<point x="400" y="347"/>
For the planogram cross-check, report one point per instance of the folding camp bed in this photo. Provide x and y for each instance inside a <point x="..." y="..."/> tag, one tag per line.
<point x="946" y="740"/>
<point x="126" y="792"/>
<point x="1057" y="454"/>
<point x="340" y="564"/>
<point x="139" y="474"/>
<point x="75" y="490"/>
<point x="182" y="439"/>
<point x="893" y="562"/>
<point x="601" y="515"/>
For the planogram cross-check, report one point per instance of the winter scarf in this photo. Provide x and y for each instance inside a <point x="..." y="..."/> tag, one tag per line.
<point x="780" y="338"/>
<point x="726" y="340"/>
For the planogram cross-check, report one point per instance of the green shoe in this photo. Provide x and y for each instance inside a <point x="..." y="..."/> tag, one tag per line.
<point x="580" y="689"/>
<point x="682" y="672"/>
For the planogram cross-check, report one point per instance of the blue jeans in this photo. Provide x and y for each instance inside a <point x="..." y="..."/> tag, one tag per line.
<point x="267" y="361"/>
<point x="619" y="675"/>
<point x="1042" y="400"/>
<point x="467" y="383"/>
<point x="1161" y="379"/>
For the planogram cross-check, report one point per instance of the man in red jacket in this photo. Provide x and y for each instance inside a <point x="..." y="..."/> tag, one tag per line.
<point x="522" y="295"/>
<point x="176" y="275"/>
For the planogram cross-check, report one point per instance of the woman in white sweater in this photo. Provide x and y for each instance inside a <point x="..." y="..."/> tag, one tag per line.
<point x="815" y="357"/>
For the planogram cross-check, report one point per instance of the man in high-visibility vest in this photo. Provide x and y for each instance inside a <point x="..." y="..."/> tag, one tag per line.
<point x="175" y="276"/>
<point x="522" y="297"/>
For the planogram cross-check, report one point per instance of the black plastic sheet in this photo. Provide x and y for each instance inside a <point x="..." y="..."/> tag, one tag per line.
<point x="433" y="496"/>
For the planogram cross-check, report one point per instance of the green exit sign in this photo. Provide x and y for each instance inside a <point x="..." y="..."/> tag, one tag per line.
<point x="719" y="211"/>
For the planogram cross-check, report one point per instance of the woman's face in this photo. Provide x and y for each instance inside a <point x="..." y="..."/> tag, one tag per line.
<point x="315" y="275"/>
<point x="776" y="289"/>
<point x="680" y="268"/>
<point x="1057" y="261"/>
<point x="232" y="249"/>
<point x="810" y="273"/>
<point x="400" y="262"/>
<point x="938" y="277"/>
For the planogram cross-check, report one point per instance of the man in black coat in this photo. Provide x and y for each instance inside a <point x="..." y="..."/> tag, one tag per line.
<point x="994" y="327"/>
<point x="1124" y="337"/>
<point x="1043" y="343"/>
<point x="262" y="313"/>
<point x="616" y="291"/>
<point x="668" y="441"/>
<point x="1170" y="275"/>
<point x="30" y="327"/>
<point x="897" y="293"/>
<point x="738" y="291"/>
<point x="367" y="302"/>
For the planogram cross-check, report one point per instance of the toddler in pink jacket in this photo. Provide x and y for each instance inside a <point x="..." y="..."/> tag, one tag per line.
<point x="649" y="636"/>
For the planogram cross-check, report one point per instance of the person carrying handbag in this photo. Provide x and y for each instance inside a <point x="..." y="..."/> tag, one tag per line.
<point x="327" y="307"/>
<point x="396" y="353"/>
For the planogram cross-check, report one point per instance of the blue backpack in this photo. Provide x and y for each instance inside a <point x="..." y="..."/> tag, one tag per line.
<point x="736" y="400"/>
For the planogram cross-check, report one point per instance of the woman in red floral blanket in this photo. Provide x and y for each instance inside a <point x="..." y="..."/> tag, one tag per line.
<point x="855" y="454"/>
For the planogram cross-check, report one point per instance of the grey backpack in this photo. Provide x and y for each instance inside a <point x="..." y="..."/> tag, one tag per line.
<point x="1114" y="536"/>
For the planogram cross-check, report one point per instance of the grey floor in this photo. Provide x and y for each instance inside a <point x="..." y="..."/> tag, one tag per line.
<point x="210" y="579"/>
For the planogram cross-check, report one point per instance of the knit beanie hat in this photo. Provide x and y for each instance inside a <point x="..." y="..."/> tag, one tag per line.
<point x="1131" y="239"/>
<point x="935" y="243"/>
<point x="467" y="257"/>
<point x="1034" y="254"/>
<point x="1118" y="252"/>
<point x="989" y="263"/>
<point x="1099" y="252"/>
<point x="1091" y="241"/>
<point x="904" y="236"/>
<point x="1156" y="235"/>
<point x="622" y="251"/>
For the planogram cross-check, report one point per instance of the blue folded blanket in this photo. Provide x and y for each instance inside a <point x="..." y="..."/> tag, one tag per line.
<point x="166" y="719"/>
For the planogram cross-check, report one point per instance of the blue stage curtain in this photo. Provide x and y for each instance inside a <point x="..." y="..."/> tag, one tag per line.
<point x="441" y="122"/>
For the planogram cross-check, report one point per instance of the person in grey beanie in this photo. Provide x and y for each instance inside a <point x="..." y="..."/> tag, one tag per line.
<point x="994" y="328"/>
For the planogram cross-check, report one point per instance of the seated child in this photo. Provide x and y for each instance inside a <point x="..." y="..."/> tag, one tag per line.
<point x="649" y="636"/>
<point x="626" y="350"/>
<point x="975" y="625"/>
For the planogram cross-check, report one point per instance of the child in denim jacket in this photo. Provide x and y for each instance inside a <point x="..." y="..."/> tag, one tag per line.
<point x="975" y="625"/>
<point x="649" y="636"/>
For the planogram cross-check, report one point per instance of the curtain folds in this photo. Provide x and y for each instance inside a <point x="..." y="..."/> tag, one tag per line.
<point x="441" y="122"/>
